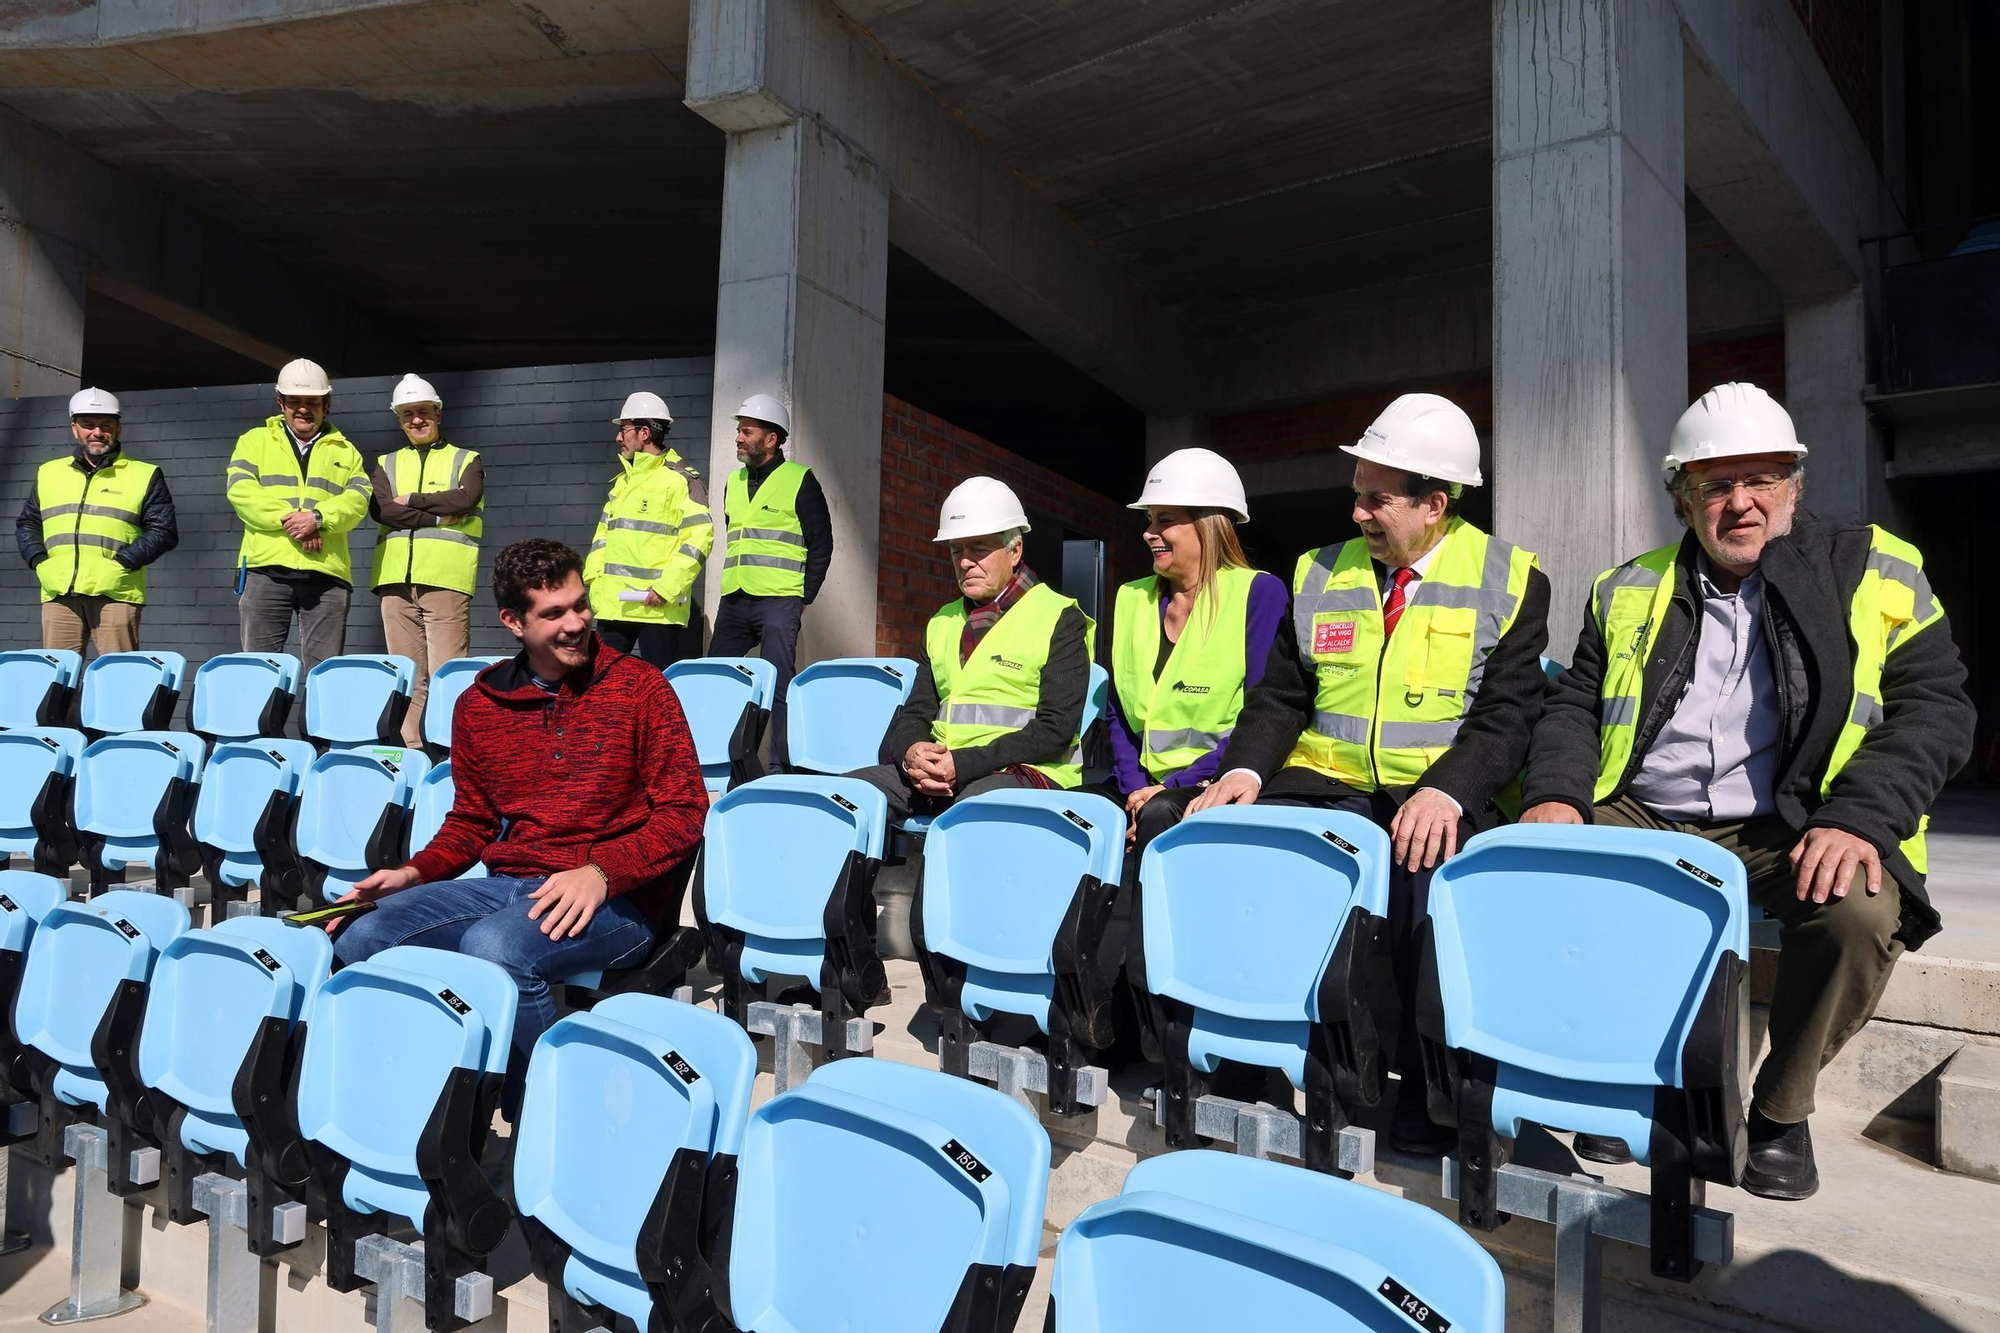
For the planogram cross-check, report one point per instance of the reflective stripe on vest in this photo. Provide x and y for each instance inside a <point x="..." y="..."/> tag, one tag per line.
<point x="638" y="537"/>
<point x="439" y="557"/>
<point x="1383" y="715"/>
<point x="999" y="690"/>
<point x="86" y="517"/>
<point x="1189" y="709"/>
<point x="765" y="554"/>
<point x="1891" y="604"/>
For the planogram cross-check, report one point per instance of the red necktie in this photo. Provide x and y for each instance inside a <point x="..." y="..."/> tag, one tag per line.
<point x="1392" y="610"/>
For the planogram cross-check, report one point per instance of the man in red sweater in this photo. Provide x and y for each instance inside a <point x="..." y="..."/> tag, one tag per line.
<point x="577" y="785"/>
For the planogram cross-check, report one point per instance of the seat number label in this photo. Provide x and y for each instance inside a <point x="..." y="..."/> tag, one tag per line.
<point x="457" y="1005"/>
<point x="1700" y="874"/>
<point x="1412" y="1309"/>
<point x="1340" y="842"/>
<point x="126" y="928"/>
<point x="7" y="904"/>
<point x="1077" y="819"/>
<point x="270" y="964"/>
<point x="843" y="802"/>
<point x="966" y="1162"/>
<point x="684" y="1071"/>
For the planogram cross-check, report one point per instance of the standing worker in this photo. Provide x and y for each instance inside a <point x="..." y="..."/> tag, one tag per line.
<point x="430" y="504"/>
<point x="647" y="553"/>
<point x="94" y="521"/>
<point x="300" y="488"/>
<point x="780" y="544"/>
<point x="1404" y="686"/>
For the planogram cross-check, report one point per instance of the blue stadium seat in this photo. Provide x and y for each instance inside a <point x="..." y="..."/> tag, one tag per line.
<point x="727" y="701"/>
<point x="210" y="1058"/>
<point x="25" y="898"/>
<point x="131" y="692"/>
<point x="87" y="966"/>
<point x="37" y="686"/>
<point x="632" y="1122"/>
<point x="881" y="1195"/>
<point x="1610" y="1008"/>
<point x="359" y="699"/>
<point x="781" y="858"/>
<point x="1251" y="941"/>
<point x="1009" y="918"/>
<point x="1214" y="1240"/>
<point x="354" y="816"/>
<point x="135" y="795"/>
<point x="243" y="820"/>
<point x="398" y="1083"/>
<point x="37" y="777"/>
<point x="1552" y="668"/>
<point x="837" y="711"/>
<point x="447" y="683"/>
<point x="435" y="795"/>
<point x="241" y="696"/>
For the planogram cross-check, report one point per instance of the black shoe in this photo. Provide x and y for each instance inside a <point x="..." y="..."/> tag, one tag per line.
<point x="1781" y="1160"/>
<point x="1412" y="1130"/>
<point x="1601" y="1148"/>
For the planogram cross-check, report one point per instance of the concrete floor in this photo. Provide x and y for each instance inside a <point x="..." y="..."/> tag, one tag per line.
<point x="1965" y="848"/>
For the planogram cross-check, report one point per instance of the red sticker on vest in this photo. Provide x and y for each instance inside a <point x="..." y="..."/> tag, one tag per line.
<point x="1333" y="636"/>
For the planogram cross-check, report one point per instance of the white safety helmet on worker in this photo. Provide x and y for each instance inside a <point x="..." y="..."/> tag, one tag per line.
<point x="1731" y="421"/>
<point x="980" y="507"/>
<point x="411" y="390"/>
<point x="93" y="403"/>
<point x="1194" y="479"/>
<point x="1426" y="434"/>
<point x="643" y="406"/>
<point x="763" y="407"/>
<point x="303" y="379"/>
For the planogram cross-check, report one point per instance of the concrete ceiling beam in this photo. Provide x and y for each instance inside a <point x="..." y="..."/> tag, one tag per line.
<point x="104" y="24"/>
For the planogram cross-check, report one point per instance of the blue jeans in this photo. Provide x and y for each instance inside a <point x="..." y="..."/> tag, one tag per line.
<point x="488" y="918"/>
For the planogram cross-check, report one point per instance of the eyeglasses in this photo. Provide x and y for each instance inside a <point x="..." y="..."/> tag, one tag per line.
<point x="1757" y="483"/>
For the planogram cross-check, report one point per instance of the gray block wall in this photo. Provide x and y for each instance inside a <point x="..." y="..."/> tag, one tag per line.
<point x="543" y="432"/>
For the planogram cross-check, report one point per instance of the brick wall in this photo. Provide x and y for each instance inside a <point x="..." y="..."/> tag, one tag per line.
<point x="923" y="457"/>
<point x="542" y="431"/>
<point x="1847" y="34"/>
<point x="1759" y="361"/>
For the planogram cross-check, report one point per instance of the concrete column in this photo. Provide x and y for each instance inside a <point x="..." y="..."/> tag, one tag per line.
<point x="41" y="280"/>
<point x="1166" y="434"/>
<point x="1589" y="283"/>
<point x="805" y="265"/>
<point x="1825" y="370"/>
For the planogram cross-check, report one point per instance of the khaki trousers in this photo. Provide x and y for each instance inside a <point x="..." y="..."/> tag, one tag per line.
<point x="1834" y="958"/>
<point x="430" y="626"/>
<point x="112" y="627"/>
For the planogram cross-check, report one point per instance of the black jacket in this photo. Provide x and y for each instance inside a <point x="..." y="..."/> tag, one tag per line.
<point x="158" y="532"/>
<point x="1058" y="712"/>
<point x="814" y="522"/>
<point x="1492" y="741"/>
<point x="1924" y="736"/>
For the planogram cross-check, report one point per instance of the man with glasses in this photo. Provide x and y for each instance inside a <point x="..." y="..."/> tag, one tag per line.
<point x="646" y="555"/>
<point x="1785" y="688"/>
<point x="1404" y="686"/>
<point x="299" y="488"/>
<point x="429" y="503"/>
<point x="95" y="519"/>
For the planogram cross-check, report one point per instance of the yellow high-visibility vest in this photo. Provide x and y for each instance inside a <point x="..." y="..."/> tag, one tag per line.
<point x="765" y="550"/>
<point x="1190" y="708"/>
<point x="446" y="556"/>
<point x="87" y="517"/>
<point x="997" y="692"/>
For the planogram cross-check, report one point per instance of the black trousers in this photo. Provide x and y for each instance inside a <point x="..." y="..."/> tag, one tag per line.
<point x="1135" y="1039"/>
<point x="651" y="642"/>
<point x="771" y="626"/>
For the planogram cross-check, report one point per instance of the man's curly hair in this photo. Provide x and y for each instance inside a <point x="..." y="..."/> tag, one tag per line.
<point x="535" y="563"/>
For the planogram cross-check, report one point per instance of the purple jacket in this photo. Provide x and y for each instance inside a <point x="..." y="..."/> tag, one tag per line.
<point x="1268" y="603"/>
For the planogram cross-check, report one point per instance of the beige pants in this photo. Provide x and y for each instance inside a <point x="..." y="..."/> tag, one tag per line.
<point x="430" y="626"/>
<point x="112" y="627"/>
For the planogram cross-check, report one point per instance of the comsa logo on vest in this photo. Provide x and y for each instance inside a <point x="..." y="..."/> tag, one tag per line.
<point x="1182" y="687"/>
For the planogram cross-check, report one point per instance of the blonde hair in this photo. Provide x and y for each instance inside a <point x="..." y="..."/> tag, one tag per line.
<point x="1220" y="549"/>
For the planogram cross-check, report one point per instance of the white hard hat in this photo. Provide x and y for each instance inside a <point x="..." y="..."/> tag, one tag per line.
<point x="411" y="390"/>
<point x="93" y="403"/>
<point x="303" y="379"/>
<point x="1195" y="479"/>
<point x="763" y="407"/>
<point x="1425" y="434"/>
<point x="1731" y="421"/>
<point x="979" y="507"/>
<point x="643" y="406"/>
